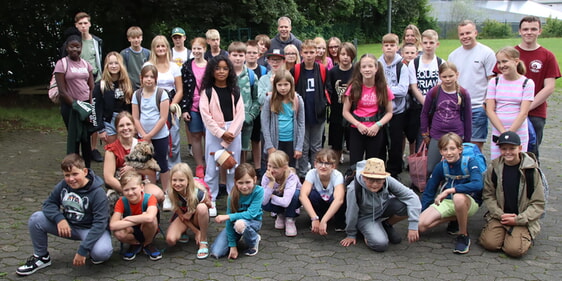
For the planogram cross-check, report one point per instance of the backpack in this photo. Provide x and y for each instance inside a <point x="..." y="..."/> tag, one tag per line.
<point x="435" y="96"/>
<point x="322" y="76"/>
<point x="127" y="54"/>
<point x="127" y="211"/>
<point x="54" y="94"/>
<point x="159" y="92"/>
<point x="209" y="94"/>
<point x="469" y="151"/>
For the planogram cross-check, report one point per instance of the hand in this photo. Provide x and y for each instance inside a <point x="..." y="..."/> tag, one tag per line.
<point x="322" y="228"/>
<point x="297" y="154"/>
<point x="413" y="236"/>
<point x="426" y="140"/>
<point x="233" y="253"/>
<point x="348" y="241"/>
<point x="124" y="169"/>
<point x="441" y="197"/>
<point x="508" y="219"/>
<point x="315" y="226"/>
<point x="271" y="150"/>
<point x="221" y="218"/>
<point x="64" y="229"/>
<point x="228" y="137"/>
<point x="373" y="130"/>
<point x="186" y="116"/>
<point x="147" y="137"/>
<point x="362" y="129"/>
<point x="79" y="260"/>
<point x="187" y="216"/>
<point x="269" y="176"/>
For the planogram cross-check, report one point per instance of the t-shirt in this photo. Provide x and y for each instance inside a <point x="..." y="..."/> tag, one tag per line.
<point x="511" y="178"/>
<point x="427" y="75"/>
<point x="76" y="77"/>
<point x="198" y="72"/>
<point x="286" y="122"/>
<point x="447" y="115"/>
<point x="309" y="96"/>
<point x="136" y="209"/>
<point x="166" y="80"/>
<point x="134" y="65"/>
<point x="149" y="114"/>
<point x="180" y="57"/>
<point x="89" y="54"/>
<point x="336" y="178"/>
<point x="367" y="105"/>
<point x="225" y="101"/>
<point x="119" y="151"/>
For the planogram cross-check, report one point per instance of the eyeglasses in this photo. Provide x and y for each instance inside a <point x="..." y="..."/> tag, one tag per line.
<point x="370" y="180"/>
<point x="325" y="164"/>
<point x="334" y="47"/>
<point x="290" y="54"/>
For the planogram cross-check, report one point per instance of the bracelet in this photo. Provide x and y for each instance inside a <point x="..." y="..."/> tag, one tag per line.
<point x="379" y="124"/>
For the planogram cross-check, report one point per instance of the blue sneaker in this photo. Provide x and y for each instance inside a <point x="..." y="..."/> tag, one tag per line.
<point x="152" y="252"/>
<point x="132" y="252"/>
<point x="462" y="244"/>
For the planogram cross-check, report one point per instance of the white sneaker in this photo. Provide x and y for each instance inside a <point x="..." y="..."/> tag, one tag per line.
<point x="167" y="205"/>
<point x="213" y="210"/>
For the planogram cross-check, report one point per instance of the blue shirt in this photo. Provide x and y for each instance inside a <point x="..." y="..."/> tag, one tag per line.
<point x="286" y="121"/>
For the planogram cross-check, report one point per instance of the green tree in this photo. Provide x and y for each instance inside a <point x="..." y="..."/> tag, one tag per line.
<point x="552" y="28"/>
<point x="494" y="29"/>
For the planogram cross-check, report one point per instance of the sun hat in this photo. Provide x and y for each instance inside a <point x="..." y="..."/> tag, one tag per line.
<point x="374" y="169"/>
<point x="178" y="31"/>
<point x="509" y="137"/>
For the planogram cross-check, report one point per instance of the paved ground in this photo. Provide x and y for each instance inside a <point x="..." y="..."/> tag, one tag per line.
<point x="29" y="168"/>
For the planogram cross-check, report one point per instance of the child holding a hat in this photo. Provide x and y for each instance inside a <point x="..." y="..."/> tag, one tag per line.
<point x="375" y="202"/>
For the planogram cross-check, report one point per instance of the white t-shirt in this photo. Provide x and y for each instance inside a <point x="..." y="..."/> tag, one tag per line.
<point x="180" y="57"/>
<point x="427" y="75"/>
<point x="336" y="178"/>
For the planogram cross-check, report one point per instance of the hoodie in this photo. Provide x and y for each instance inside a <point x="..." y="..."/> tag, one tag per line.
<point x="83" y="208"/>
<point x="374" y="203"/>
<point x="277" y="43"/>
<point x="398" y="85"/>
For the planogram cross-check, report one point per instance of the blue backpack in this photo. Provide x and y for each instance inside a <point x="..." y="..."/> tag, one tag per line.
<point x="469" y="151"/>
<point x="127" y="211"/>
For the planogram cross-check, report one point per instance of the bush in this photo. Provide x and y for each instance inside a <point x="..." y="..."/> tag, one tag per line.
<point x="552" y="28"/>
<point x="493" y="29"/>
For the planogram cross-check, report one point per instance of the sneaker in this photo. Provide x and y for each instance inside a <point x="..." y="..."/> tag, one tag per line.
<point x="190" y="150"/>
<point x="462" y="244"/>
<point x="339" y="229"/>
<point x="96" y="156"/>
<point x="167" y="205"/>
<point x="132" y="252"/>
<point x="453" y="228"/>
<point x="95" y="261"/>
<point x="152" y="252"/>
<point x="33" y="264"/>
<point x="254" y="250"/>
<point x="290" y="227"/>
<point x="200" y="172"/>
<point x="393" y="236"/>
<point x="213" y="209"/>
<point x="280" y="221"/>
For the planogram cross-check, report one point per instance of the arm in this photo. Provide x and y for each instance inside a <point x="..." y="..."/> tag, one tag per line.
<point x="255" y="107"/>
<point x="288" y="193"/>
<point x="51" y="206"/>
<point x="494" y="119"/>
<point x="542" y="95"/>
<point x="109" y="169"/>
<point x="424" y="116"/>
<point x="265" y="123"/>
<point x="536" y="205"/>
<point x="408" y="197"/>
<point x="61" y="85"/>
<point x="467" y="116"/>
<point x="476" y="182"/>
<point x="489" y="194"/>
<point x="254" y="211"/>
<point x="300" y="127"/>
<point x="428" y="194"/>
<point x="352" y="212"/>
<point x="374" y="129"/>
<point x="264" y="86"/>
<point x="100" y="209"/>
<point x="207" y="115"/>
<point x="118" y="222"/>
<point x="400" y="90"/>
<point x="346" y="113"/>
<point x="178" y="84"/>
<point x="91" y="84"/>
<point x="267" y="185"/>
<point x="136" y="116"/>
<point x="303" y="197"/>
<point x="339" y="196"/>
<point x="239" y="115"/>
<point x="521" y="116"/>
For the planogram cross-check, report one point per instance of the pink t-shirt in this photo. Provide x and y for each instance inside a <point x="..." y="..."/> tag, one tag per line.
<point x="368" y="103"/>
<point x="198" y="72"/>
<point x="76" y="77"/>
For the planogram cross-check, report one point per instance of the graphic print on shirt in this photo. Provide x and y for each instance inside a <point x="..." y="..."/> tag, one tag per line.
<point x="448" y="110"/>
<point x="310" y="85"/>
<point x="535" y="66"/>
<point x="427" y="79"/>
<point x="73" y="205"/>
<point x="340" y="89"/>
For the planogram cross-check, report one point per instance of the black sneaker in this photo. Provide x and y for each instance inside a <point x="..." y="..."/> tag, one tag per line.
<point x="33" y="264"/>
<point x="462" y="244"/>
<point x="393" y="236"/>
<point x="152" y="252"/>
<point x="96" y="156"/>
<point x="132" y="252"/>
<point x="254" y="250"/>
<point x="453" y="228"/>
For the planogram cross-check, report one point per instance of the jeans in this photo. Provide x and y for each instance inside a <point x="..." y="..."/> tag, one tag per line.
<point x="372" y="229"/>
<point x="538" y="123"/>
<point x="479" y="125"/>
<point x="175" y="138"/>
<point x="313" y="134"/>
<point x="290" y="211"/>
<point x="220" y="247"/>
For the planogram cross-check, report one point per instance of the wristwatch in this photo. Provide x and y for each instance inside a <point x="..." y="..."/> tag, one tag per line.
<point x="314" y="218"/>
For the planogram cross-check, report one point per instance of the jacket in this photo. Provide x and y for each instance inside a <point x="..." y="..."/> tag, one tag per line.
<point x="398" y="85"/>
<point x="277" y="43"/>
<point x="213" y="118"/>
<point x="189" y="85"/>
<point x="320" y="100"/>
<point x="249" y="95"/>
<point x="270" y="126"/>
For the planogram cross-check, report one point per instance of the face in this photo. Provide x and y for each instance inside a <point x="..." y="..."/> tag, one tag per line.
<point x="308" y="55"/>
<point x="283" y="87"/>
<point x="389" y="49"/>
<point x="448" y="78"/>
<point x="333" y="48"/>
<point x="530" y="32"/>
<point x="368" y="67"/>
<point x="133" y="191"/>
<point x="214" y="43"/>
<point x="148" y="80"/>
<point x="113" y="65"/>
<point x="135" y="41"/>
<point x="246" y="184"/>
<point x="429" y="45"/>
<point x="409" y="53"/>
<point x="284" y="29"/>
<point x="178" y="40"/>
<point x="197" y="50"/>
<point x="506" y="64"/>
<point x="76" y="178"/>
<point x="451" y="152"/>
<point x="510" y="153"/>
<point x="277" y="172"/>
<point x="221" y="71"/>
<point x="345" y="59"/>
<point x="74" y="49"/>
<point x="161" y="49"/>
<point x="275" y="62"/>
<point x="373" y="185"/>
<point x="252" y="54"/>
<point x="320" y="49"/>
<point x="409" y="37"/>
<point x="126" y="128"/>
<point x="237" y="58"/>
<point x="179" y="182"/>
<point x="324" y="167"/>
<point x="83" y="25"/>
<point x="262" y="47"/>
<point x="467" y="36"/>
<point x="291" y="55"/>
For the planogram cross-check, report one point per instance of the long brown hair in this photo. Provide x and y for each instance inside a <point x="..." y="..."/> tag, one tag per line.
<point x="276" y="104"/>
<point x="356" y="82"/>
<point x="241" y="171"/>
<point x="123" y="80"/>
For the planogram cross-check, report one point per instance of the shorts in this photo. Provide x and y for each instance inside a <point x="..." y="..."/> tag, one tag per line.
<point x="110" y="126"/>
<point x="196" y="123"/>
<point x="479" y="125"/>
<point x="447" y="207"/>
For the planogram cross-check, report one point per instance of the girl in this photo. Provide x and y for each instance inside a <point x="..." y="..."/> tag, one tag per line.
<point x="281" y="192"/>
<point x="509" y="98"/>
<point x="243" y="216"/>
<point x="150" y="117"/>
<point x="412" y="35"/>
<point x="282" y="118"/>
<point x="367" y="107"/>
<point x="321" y="57"/>
<point x="292" y="56"/>
<point x="338" y="78"/>
<point x="75" y="83"/>
<point x="460" y="195"/>
<point x="322" y="193"/>
<point x="446" y="109"/>
<point x="191" y="204"/>
<point x="222" y="111"/>
<point x="192" y="75"/>
<point x="112" y="94"/>
<point x="334" y="49"/>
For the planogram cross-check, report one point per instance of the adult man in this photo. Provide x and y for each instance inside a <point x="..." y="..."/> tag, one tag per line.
<point x="284" y="37"/>
<point x="541" y="67"/>
<point x="475" y="63"/>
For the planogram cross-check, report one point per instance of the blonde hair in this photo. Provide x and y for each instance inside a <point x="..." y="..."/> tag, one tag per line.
<point x="417" y="34"/>
<point x="290" y="48"/>
<point x="159" y="39"/>
<point x="276" y="104"/>
<point x="123" y="80"/>
<point x="319" y="41"/>
<point x="513" y="54"/>
<point x="212" y="34"/>
<point x="190" y="190"/>
<point x="390" y="38"/>
<point x="327" y="154"/>
<point x="134" y="31"/>
<point x="430" y="34"/>
<point x="130" y="176"/>
<point x="447" y="65"/>
<point x="446" y="138"/>
<point x="280" y="159"/>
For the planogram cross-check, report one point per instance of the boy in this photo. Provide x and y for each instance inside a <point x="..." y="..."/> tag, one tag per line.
<point x="214" y="41"/>
<point x="252" y="55"/>
<point x="180" y="53"/>
<point x="409" y="53"/>
<point x="310" y="78"/>
<point x="514" y="208"/>
<point x="397" y="78"/>
<point x="375" y="202"/>
<point x="248" y="90"/>
<point x="135" y="218"/>
<point x="77" y="209"/>
<point x="264" y="43"/>
<point x="135" y="56"/>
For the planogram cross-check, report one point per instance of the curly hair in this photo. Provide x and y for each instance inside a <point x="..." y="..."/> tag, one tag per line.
<point x="209" y="76"/>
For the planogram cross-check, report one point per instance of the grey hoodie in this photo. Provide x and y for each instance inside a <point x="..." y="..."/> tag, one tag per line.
<point x="399" y="87"/>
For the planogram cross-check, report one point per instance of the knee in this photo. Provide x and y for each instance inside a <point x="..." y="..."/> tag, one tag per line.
<point x="36" y="218"/>
<point x="515" y="252"/>
<point x="377" y="245"/>
<point x="490" y="243"/>
<point x="240" y="226"/>
<point x="171" y="241"/>
<point x="120" y="234"/>
<point x="460" y="199"/>
<point x="202" y="208"/>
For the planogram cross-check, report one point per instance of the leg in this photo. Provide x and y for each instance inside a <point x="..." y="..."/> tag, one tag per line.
<point x="149" y="229"/>
<point x="462" y="204"/>
<point x="394" y="166"/>
<point x="236" y="148"/>
<point x="174" y="232"/>
<point x="212" y="144"/>
<point x="315" y="138"/>
<point x="538" y="124"/>
<point x="431" y="217"/>
<point x="518" y="242"/>
<point x="375" y="146"/>
<point x="39" y="226"/>
<point x="201" y="221"/>
<point x="373" y="231"/>
<point x="433" y="155"/>
<point x="220" y="246"/>
<point x="356" y="146"/>
<point x="493" y="235"/>
<point x="161" y="155"/>
<point x="479" y="127"/>
<point x="302" y="163"/>
<point x="256" y="144"/>
<point x="249" y="231"/>
<point x="154" y="190"/>
<point x="175" y="137"/>
<point x="290" y="211"/>
<point x="102" y="249"/>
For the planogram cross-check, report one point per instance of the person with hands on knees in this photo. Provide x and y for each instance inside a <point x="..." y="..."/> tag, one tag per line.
<point x="243" y="217"/>
<point x="323" y="192"/>
<point x="76" y="209"/>
<point x="460" y="195"/>
<point x="134" y="220"/>
<point x="375" y="202"/>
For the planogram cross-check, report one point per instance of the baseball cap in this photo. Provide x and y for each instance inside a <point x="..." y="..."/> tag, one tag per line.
<point x="275" y="52"/>
<point x="509" y="137"/>
<point x="178" y="31"/>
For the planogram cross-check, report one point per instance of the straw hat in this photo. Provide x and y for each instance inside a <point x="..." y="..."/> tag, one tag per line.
<point x="374" y="169"/>
<point x="224" y="159"/>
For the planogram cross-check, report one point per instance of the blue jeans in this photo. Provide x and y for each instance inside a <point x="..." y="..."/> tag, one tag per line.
<point x="290" y="211"/>
<point x="220" y="247"/>
<point x="479" y="125"/>
<point x="40" y="226"/>
<point x="538" y="124"/>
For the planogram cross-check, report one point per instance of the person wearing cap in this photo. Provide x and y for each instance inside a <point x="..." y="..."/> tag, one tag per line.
<point x="276" y="60"/>
<point x="375" y="202"/>
<point x="512" y="220"/>
<point x="180" y="53"/>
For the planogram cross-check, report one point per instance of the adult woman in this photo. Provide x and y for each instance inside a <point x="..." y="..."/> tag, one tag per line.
<point x="412" y="35"/>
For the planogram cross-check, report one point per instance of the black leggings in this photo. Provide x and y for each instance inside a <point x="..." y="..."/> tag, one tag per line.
<point x="363" y="145"/>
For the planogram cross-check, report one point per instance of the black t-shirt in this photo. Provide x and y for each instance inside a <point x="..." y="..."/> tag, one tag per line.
<point x="225" y="100"/>
<point x="510" y="187"/>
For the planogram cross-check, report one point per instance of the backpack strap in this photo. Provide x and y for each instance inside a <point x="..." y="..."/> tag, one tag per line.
<point x="146" y="54"/>
<point x="464" y="169"/>
<point x="417" y="63"/>
<point x="398" y="71"/>
<point x="159" y="92"/>
<point x="263" y="70"/>
<point x="252" y="76"/>
<point x="297" y="72"/>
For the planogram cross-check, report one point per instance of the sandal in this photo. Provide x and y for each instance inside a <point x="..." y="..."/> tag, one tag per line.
<point x="203" y="253"/>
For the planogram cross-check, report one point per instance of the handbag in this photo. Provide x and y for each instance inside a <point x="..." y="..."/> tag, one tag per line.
<point x="418" y="167"/>
<point x="53" y="88"/>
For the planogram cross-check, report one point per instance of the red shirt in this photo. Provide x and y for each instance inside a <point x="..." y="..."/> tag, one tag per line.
<point x="136" y="209"/>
